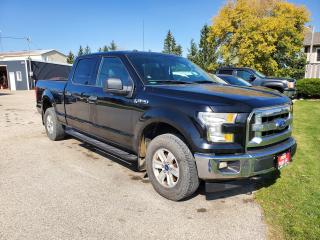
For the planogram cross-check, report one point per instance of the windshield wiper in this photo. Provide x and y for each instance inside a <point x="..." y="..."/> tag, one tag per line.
<point x="169" y="81"/>
<point x="205" y="81"/>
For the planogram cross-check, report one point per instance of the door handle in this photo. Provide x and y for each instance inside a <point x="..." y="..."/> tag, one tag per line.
<point x="92" y="99"/>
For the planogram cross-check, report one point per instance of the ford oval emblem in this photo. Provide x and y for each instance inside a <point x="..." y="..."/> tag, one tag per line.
<point x="280" y="123"/>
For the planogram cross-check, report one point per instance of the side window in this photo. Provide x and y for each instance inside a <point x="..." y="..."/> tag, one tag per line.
<point x="244" y="75"/>
<point x="85" y="71"/>
<point x="228" y="72"/>
<point x="318" y="54"/>
<point x="112" y="67"/>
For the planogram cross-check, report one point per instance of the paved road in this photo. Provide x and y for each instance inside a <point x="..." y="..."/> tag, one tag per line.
<point x="64" y="190"/>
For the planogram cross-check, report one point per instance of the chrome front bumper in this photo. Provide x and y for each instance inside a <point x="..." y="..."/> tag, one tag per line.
<point x="242" y="165"/>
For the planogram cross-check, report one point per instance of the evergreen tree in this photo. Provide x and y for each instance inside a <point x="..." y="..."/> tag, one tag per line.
<point x="170" y="46"/>
<point x="100" y="49"/>
<point x="70" y="58"/>
<point x="87" y="50"/>
<point x="193" y="52"/>
<point x="80" y="52"/>
<point x="113" y="46"/>
<point x="105" y="48"/>
<point x="207" y="57"/>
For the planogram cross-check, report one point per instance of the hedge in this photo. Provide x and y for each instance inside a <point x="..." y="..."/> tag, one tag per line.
<point x="309" y="88"/>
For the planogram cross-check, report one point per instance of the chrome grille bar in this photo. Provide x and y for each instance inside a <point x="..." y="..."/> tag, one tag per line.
<point x="266" y="126"/>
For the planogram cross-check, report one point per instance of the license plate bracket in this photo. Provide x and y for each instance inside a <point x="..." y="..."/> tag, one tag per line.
<point x="283" y="159"/>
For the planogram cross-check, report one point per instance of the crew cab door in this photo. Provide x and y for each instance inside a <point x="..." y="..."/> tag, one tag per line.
<point x="112" y="111"/>
<point x="80" y="87"/>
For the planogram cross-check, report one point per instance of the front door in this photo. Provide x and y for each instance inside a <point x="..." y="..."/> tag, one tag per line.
<point x="111" y="113"/>
<point x="78" y="92"/>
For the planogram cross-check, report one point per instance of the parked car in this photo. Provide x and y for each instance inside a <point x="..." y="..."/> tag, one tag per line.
<point x="286" y="86"/>
<point x="169" y="116"/>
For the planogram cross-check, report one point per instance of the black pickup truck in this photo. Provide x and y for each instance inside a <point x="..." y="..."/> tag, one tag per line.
<point x="171" y="117"/>
<point x="286" y="86"/>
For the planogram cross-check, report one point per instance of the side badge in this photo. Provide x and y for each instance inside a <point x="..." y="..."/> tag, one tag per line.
<point x="141" y="101"/>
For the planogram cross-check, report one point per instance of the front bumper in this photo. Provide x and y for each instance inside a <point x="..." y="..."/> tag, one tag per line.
<point x="245" y="165"/>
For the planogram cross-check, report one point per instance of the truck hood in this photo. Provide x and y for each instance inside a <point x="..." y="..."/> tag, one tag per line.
<point x="221" y="97"/>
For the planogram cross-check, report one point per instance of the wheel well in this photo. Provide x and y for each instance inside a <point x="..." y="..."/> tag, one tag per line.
<point x="153" y="130"/>
<point x="46" y="103"/>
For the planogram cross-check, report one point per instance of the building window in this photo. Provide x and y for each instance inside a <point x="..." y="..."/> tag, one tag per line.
<point x="19" y="76"/>
<point x="318" y="54"/>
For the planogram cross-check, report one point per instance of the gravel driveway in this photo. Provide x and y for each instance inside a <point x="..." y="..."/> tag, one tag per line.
<point x="67" y="190"/>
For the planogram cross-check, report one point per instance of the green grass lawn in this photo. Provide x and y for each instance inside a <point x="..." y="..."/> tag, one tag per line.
<point x="292" y="204"/>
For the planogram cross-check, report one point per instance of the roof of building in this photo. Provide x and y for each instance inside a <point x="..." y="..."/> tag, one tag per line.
<point x="316" y="39"/>
<point x="27" y="53"/>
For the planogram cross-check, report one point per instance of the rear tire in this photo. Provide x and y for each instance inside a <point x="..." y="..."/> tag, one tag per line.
<point x="54" y="129"/>
<point x="175" y="177"/>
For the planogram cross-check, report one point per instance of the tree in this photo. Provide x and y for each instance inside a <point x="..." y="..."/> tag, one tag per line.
<point x="113" y="46"/>
<point x="87" y="50"/>
<point x="266" y="35"/>
<point x="170" y="46"/>
<point x="105" y="48"/>
<point x="80" y="52"/>
<point x="193" y="52"/>
<point x="100" y="49"/>
<point x="70" y="58"/>
<point x="207" y="56"/>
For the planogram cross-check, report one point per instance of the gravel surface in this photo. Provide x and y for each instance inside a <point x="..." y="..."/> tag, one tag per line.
<point x="69" y="190"/>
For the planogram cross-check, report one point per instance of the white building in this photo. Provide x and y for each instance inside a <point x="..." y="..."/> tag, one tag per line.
<point x="21" y="69"/>
<point x="312" y="49"/>
<point x="49" y="55"/>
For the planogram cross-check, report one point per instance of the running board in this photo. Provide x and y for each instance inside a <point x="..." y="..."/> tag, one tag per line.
<point x="103" y="146"/>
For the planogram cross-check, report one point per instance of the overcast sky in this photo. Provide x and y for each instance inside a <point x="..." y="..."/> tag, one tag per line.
<point x="64" y="25"/>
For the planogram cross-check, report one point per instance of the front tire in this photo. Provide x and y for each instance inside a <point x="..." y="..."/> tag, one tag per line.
<point x="54" y="129"/>
<point x="171" y="167"/>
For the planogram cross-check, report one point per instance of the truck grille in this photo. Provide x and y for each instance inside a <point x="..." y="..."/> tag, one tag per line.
<point x="266" y="126"/>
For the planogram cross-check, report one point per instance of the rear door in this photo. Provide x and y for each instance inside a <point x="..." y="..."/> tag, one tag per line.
<point x="78" y="92"/>
<point x="112" y="113"/>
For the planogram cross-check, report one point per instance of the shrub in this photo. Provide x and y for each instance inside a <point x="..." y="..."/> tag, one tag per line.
<point x="309" y="88"/>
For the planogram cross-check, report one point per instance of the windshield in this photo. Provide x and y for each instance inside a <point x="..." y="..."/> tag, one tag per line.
<point x="261" y="75"/>
<point x="160" y="68"/>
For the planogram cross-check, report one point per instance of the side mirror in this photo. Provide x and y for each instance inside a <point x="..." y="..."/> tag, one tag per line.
<point x="115" y="85"/>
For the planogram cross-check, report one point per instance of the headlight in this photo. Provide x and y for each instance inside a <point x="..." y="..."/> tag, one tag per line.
<point x="213" y="122"/>
<point x="290" y="84"/>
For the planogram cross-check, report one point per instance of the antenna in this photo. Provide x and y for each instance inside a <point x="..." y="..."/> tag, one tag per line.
<point x="1" y="46"/>
<point x="143" y="35"/>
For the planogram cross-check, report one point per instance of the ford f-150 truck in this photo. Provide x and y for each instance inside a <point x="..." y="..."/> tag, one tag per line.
<point x="169" y="116"/>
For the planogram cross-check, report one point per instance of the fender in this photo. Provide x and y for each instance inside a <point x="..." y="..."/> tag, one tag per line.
<point x="54" y="100"/>
<point x="184" y="124"/>
<point x="47" y="95"/>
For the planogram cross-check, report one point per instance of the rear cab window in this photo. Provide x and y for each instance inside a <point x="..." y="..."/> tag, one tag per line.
<point x="85" y="72"/>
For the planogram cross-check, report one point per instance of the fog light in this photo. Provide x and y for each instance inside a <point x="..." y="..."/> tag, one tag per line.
<point x="223" y="165"/>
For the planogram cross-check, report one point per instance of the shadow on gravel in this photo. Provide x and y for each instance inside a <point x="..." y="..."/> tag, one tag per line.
<point x="128" y="164"/>
<point x="244" y="186"/>
<point x="217" y="191"/>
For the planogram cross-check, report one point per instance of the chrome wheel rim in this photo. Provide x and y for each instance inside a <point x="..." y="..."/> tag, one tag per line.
<point x="49" y="124"/>
<point x="165" y="168"/>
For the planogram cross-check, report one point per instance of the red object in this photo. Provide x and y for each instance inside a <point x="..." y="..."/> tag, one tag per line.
<point x="284" y="159"/>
